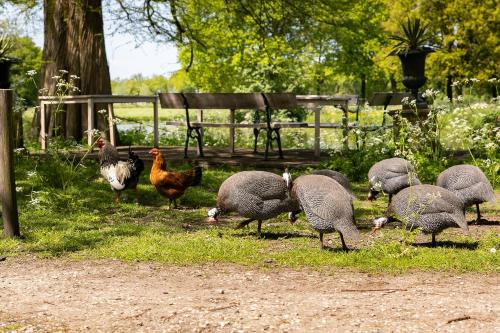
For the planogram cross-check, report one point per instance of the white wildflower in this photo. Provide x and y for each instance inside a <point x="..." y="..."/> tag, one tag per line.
<point x="56" y="77"/>
<point x="74" y="77"/>
<point x="19" y="188"/>
<point x="31" y="72"/>
<point x="413" y="103"/>
<point x="431" y="93"/>
<point x="474" y="80"/>
<point x="460" y="98"/>
<point x="63" y="71"/>
<point x="405" y="101"/>
<point x="489" y="145"/>
<point x="31" y="174"/>
<point x="102" y="111"/>
<point x="493" y="250"/>
<point x="93" y="132"/>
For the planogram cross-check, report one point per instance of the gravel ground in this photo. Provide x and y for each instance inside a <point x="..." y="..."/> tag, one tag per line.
<point x="112" y="296"/>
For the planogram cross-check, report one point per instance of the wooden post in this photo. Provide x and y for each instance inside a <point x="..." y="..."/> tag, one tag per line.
<point x="156" y="136"/>
<point x="317" y="133"/>
<point x="90" y="120"/>
<point x="43" y="130"/>
<point x="7" y="181"/>
<point x="111" y="119"/>
<point x="232" y="117"/>
<point x="345" y="125"/>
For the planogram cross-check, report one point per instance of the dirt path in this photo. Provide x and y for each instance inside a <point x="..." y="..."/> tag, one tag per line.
<point x="112" y="296"/>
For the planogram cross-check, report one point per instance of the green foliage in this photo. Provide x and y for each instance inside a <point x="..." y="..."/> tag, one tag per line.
<point x="414" y="35"/>
<point x="26" y="86"/>
<point x="6" y="45"/>
<point x="356" y="163"/>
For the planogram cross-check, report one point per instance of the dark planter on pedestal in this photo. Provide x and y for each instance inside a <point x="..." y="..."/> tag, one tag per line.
<point x="413" y="63"/>
<point x="5" y="64"/>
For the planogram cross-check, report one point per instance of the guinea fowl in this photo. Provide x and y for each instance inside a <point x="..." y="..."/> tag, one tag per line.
<point x="391" y="176"/>
<point x="339" y="177"/>
<point x="431" y="208"/>
<point x="121" y="175"/>
<point x="327" y="205"/>
<point x="171" y="184"/>
<point x="256" y="195"/>
<point x="468" y="183"/>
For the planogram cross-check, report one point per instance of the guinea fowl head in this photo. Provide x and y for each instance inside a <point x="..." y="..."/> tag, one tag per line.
<point x="212" y="215"/>
<point x="379" y="223"/>
<point x="375" y="188"/>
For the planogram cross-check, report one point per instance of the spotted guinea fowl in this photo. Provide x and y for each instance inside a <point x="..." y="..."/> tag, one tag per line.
<point x="468" y="183"/>
<point x="327" y="205"/>
<point x="256" y="195"/>
<point x="391" y="176"/>
<point x="339" y="177"/>
<point x="431" y="208"/>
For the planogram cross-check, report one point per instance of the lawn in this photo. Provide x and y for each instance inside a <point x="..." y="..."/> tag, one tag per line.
<point x="82" y="221"/>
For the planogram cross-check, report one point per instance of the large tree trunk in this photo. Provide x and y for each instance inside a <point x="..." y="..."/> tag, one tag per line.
<point x="74" y="42"/>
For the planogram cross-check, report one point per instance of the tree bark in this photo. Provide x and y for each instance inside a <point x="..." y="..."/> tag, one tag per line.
<point x="74" y="42"/>
<point x="449" y="88"/>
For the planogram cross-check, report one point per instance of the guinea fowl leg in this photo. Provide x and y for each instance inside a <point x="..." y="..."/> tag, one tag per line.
<point x="478" y="214"/>
<point x="321" y="240"/>
<point x="244" y="223"/>
<point x="433" y="240"/>
<point x="390" y="198"/>
<point x="344" y="246"/>
<point x="175" y="203"/>
<point x="259" y="225"/>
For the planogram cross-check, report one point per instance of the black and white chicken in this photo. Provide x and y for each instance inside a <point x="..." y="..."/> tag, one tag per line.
<point x="121" y="175"/>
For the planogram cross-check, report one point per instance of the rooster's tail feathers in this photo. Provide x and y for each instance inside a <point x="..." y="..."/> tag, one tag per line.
<point x="197" y="176"/>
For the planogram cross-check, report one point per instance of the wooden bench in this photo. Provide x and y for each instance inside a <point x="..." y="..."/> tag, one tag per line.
<point x="385" y="99"/>
<point x="232" y="101"/>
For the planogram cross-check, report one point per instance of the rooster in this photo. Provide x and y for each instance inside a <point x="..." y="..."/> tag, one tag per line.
<point x="121" y="175"/>
<point x="171" y="184"/>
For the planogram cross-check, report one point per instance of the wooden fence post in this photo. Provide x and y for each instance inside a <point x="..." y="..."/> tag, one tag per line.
<point x="7" y="181"/>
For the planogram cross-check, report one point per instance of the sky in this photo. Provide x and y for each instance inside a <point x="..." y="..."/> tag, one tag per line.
<point x="124" y="58"/>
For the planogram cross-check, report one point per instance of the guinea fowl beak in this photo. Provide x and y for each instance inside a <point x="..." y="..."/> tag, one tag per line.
<point x="212" y="220"/>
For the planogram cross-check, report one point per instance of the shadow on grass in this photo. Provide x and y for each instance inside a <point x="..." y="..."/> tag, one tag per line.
<point x="483" y="222"/>
<point x="452" y="245"/>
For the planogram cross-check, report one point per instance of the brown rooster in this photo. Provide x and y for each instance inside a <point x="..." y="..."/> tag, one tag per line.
<point x="171" y="184"/>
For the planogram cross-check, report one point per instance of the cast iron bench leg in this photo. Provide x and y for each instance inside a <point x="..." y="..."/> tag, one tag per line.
<point x="186" y="142"/>
<point x="199" y="139"/>
<point x="255" y="137"/>
<point x="278" y="141"/>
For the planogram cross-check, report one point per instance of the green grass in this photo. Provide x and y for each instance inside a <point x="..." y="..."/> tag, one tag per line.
<point x="84" y="222"/>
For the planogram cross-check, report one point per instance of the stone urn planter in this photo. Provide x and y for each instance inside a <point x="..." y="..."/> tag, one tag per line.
<point x="413" y="65"/>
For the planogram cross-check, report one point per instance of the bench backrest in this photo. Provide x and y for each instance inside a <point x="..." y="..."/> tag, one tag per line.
<point x="226" y="100"/>
<point x="387" y="98"/>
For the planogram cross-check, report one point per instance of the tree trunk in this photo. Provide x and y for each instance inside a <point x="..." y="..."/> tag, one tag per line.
<point x="363" y="87"/>
<point x="449" y="87"/>
<point x="74" y="42"/>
